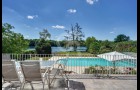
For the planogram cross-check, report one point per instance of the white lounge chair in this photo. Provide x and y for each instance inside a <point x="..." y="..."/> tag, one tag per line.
<point x="10" y="74"/>
<point x="32" y="72"/>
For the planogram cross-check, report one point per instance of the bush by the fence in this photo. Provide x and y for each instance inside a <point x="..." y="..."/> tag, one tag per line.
<point x="29" y="52"/>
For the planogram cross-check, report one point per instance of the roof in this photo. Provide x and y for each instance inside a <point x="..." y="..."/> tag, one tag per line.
<point x="111" y="56"/>
<point x="132" y="54"/>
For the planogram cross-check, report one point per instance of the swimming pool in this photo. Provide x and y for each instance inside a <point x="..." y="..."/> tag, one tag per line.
<point x="97" y="61"/>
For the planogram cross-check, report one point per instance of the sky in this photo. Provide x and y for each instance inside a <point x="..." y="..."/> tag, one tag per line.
<point x="102" y="19"/>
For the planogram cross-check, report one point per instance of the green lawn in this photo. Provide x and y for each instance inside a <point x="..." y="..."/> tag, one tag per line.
<point x="72" y="53"/>
<point x="37" y="58"/>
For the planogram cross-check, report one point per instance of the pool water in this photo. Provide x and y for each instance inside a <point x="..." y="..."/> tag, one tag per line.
<point x="97" y="61"/>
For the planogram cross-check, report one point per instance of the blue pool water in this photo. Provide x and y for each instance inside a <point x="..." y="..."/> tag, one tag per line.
<point x="97" y="61"/>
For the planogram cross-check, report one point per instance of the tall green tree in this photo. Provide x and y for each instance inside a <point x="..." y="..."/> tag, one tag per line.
<point x="43" y="46"/>
<point x="12" y="42"/>
<point x="45" y="34"/>
<point x="7" y="27"/>
<point x="121" y="38"/>
<point x="90" y="40"/>
<point x="94" y="48"/>
<point x="74" y="35"/>
<point x="106" y="46"/>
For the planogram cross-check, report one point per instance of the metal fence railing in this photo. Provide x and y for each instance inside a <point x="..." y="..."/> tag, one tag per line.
<point x="85" y="64"/>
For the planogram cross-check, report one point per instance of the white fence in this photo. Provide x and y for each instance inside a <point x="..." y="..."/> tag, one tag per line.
<point x="84" y="64"/>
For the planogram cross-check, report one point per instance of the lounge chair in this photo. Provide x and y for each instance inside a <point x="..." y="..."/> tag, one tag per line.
<point x="32" y="72"/>
<point x="10" y="74"/>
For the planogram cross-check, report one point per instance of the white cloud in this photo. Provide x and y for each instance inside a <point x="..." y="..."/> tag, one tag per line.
<point x="71" y="10"/>
<point x="111" y="32"/>
<point x="91" y="1"/>
<point x="32" y="16"/>
<point x="58" y="27"/>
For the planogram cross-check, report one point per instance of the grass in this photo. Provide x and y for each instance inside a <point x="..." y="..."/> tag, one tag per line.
<point x="37" y="58"/>
<point x="73" y="53"/>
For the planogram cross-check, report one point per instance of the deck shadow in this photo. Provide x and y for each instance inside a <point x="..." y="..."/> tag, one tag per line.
<point x="76" y="85"/>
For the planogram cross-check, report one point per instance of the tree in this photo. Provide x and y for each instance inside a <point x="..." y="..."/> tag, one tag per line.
<point x="43" y="46"/>
<point x="74" y="36"/>
<point x="6" y="27"/>
<point x="12" y="42"/>
<point x="127" y="46"/>
<point x="121" y="38"/>
<point x="90" y="40"/>
<point x="106" y="46"/>
<point x="45" y="34"/>
<point x="32" y="42"/>
<point x="94" y="48"/>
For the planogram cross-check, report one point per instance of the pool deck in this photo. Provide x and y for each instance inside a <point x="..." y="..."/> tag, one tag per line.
<point x="106" y="84"/>
<point x="94" y="84"/>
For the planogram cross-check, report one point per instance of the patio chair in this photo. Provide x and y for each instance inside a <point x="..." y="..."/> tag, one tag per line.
<point x="59" y="71"/>
<point x="10" y="74"/>
<point x="32" y="72"/>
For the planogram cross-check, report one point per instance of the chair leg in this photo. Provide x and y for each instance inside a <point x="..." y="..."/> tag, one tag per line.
<point x="52" y="79"/>
<point x="43" y="85"/>
<point x="66" y="78"/>
<point x="20" y="86"/>
<point x="23" y="86"/>
<point x="31" y="85"/>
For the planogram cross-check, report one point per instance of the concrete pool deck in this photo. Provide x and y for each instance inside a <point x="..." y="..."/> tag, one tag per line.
<point x="95" y="84"/>
<point x="101" y="84"/>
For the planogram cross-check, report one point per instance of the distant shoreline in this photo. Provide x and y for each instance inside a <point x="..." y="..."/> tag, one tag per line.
<point x="60" y="49"/>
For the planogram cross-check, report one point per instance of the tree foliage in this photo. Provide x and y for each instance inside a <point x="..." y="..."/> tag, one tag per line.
<point x="45" y="34"/>
<point x="12" y="42"/>
<point x="121" y="38"/>
<point x="74" y="35"/>
<point x="94" y="48"/>
<point x="90" y="40"/>
<point x="106" y="46"/>
<point x="43" y="46"/>
<point x="127" y="46"/>
<point x="6" y="27"/>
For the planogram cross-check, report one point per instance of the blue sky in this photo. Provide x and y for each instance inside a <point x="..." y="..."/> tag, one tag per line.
<point x="103" y="19"/>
